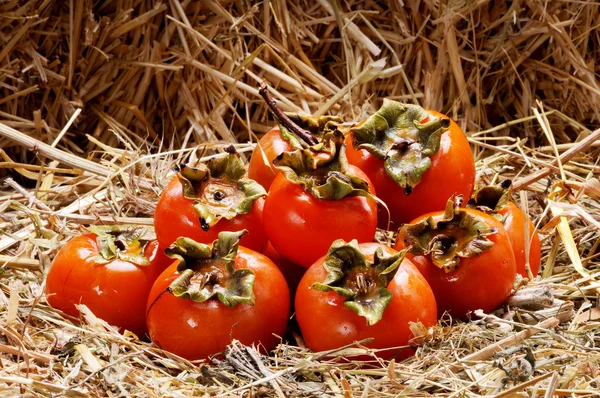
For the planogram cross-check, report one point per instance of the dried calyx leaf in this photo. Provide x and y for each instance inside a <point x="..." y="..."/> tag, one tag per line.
<point x="362" y="282"/>
<point x="458" y="234"/>
<point x="209" y="271"/>
<point x="404" y="136"/>
<point x="318" y="127"/>
<point x="323" y="170"/>
<point x="491" y="198"/>
<point x="123" y="242"/>
<point x="220" y="188"/>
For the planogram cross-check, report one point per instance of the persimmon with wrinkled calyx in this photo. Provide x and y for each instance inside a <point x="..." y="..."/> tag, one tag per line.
<point x="110" y="270"/>
<point x="361" y="291"/>
<point x="212" y="294"/>
<point x="200" y="202"/>
<point x="415" y="158"/>
<point x="465" y="255"/>
<point x="285" y="138"/>
<point x="495" y="200"/>
<point x="317" y="199"/>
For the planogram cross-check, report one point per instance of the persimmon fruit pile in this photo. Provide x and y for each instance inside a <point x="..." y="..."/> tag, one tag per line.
<point x="233" y="246"/>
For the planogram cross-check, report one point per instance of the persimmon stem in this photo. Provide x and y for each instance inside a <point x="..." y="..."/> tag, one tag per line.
<point x="283" y="118"/>
<point x="361" y="283"/>
<point x="506" y="184"/>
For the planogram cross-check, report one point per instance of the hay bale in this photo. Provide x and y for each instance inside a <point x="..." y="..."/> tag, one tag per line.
<point x="186" y="72"/>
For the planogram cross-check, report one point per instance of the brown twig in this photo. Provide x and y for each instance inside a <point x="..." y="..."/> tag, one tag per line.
<point x="283" y="118"/>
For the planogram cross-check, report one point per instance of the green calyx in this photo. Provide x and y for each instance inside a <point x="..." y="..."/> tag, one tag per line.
<point x="209" y="271"/>
<point x="323" y="170"/>
<point x="397" y="135"/>
<point x="123" y="242"/>
<point x="220" y="189"/>
<point x="491" y="198"/>
<point x="318" y="127"/>
<point x="361" y="282"/>
<point x="458" y="234"/>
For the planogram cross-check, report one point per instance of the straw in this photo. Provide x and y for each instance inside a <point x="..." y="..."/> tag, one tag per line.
<point x="99" y="100"/>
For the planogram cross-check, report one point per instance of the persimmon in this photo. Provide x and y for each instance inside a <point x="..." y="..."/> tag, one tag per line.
<point x="111" y="270"/>
<point x="316" y="199"/>
<point x="416" y="159"/>
<point x="294" y="131"/>
<point x="292" y="273"/>
<point x="200" y="202"/>
<point x="214" y="293"/>
<point x="360" y="291"/>
<point x="495" y="200"/>
<point x="465" y="255"/>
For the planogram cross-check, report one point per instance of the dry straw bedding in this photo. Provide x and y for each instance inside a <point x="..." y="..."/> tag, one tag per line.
<point x="99" y="99"/>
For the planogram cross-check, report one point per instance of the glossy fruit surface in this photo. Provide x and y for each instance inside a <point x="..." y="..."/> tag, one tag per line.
<point x="514" y="223"/>
<point x="327" y="324"/>
<point x="452" y="171"/>
<point x="261" y="168"/>
<point x="482" y="281"/>
<point x="115" y="291"/>
<point x="197" y="330"/>
<point x="495" y="200"/>
<point x="175" y="216"/>
<point x="301" y="227"/>
<point x="293" y="273"/>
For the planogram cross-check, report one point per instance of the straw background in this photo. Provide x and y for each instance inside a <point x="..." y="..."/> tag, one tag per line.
<point x="171" y="71"/>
